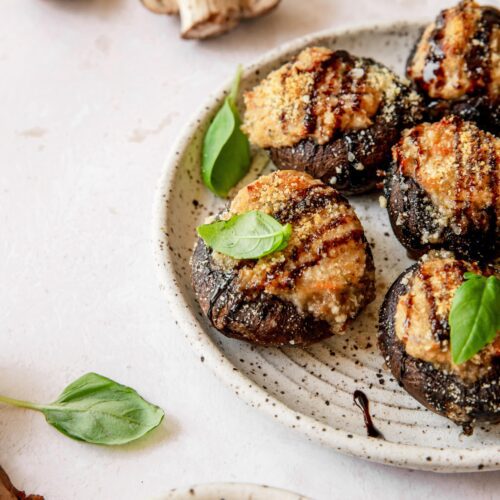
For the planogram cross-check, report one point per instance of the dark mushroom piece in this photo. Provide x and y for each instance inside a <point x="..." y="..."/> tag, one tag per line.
<point x="9" y="492"/>
<point x="310" y="290"/>
<point x="332" y="115"/>
<point x="456" y="64"/>
<point x="414" y="339"/>
<point x="443" y="189"/>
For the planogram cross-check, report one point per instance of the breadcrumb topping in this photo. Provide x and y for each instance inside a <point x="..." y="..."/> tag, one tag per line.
<point x="318" y="94"/>
<point x="458" y="166"/>
<point x="421" y="320"/>
<point x="459" y="54"/>
<point x="326" y="270"/>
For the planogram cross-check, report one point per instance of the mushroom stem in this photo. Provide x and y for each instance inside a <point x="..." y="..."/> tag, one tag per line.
<point x="206" y="18"/>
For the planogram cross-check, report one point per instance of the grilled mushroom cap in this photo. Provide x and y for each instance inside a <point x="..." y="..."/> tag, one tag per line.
<point x="456" y="64"/>
<point x="443" y="190"/>
<point x="332" y="115"/>
<point x="414" y="340"/>
<point x="310" y="290"/>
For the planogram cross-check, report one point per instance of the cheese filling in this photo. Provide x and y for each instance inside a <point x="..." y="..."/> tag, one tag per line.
<point x="459" y="54"/>
<point x="326" y="270"/>
<point x="458" y="167"/>
<point x="317" y="95"/>
<point x="421" y="320"/>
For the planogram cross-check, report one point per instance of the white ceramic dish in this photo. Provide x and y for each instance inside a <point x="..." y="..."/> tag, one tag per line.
<point x="232" y="491"/>
<point x="311" y="389"/>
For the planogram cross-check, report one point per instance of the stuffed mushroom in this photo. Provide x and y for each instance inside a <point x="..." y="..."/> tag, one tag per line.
<point x="456" y="64"/>
<point x="443" y="190"/>
<point x="303" y="293"/>
<point x="414" y="338"/>
<point x="332" y="115"/>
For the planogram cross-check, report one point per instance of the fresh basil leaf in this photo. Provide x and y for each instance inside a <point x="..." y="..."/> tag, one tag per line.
<point x="98" y="410"/>
<point x="475" y="316"/>
<point x="226" y="150"/>
<point x="251" y="235"/>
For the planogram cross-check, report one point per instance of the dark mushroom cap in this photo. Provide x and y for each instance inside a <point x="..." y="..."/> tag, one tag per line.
<point x="456" y="64"/>
<point x="414" y="340"/>
<point x="332" y="115"/>
<point x="443" y="189"/>
<point x="310" y="290"/>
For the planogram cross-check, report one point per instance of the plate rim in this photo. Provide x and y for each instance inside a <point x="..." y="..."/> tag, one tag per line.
<point x="232" y="488"/>
<point x="395" y="454"/>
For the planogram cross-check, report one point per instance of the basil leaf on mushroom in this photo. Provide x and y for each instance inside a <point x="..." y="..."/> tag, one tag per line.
<point x="475" y="316"/>
<point x="251" y="235"/>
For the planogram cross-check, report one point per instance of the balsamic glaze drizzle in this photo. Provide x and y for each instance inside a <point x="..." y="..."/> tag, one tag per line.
<point x="361" y="401"/>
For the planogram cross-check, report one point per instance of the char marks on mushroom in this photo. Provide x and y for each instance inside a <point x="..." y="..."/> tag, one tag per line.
<point x="414" y="338"/>
<point x="332" y="115"/>
<point x="325" y="274"/>
<point x="443" y="190"/>
<point x="456" y="63"/>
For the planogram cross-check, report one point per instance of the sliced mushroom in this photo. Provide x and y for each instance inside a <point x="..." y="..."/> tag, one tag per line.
<point x="207" y="18"/>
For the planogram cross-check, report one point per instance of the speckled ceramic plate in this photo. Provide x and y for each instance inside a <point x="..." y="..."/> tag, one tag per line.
<point x="232" y="491"/>
<point x="311" y="389"/>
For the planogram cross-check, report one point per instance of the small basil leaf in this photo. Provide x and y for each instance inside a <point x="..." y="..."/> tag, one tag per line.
<point x="251" y="235"/>
<point x="98" y="410"/>
<point x="226" y="150"/>
<point x="474" y="317"/>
